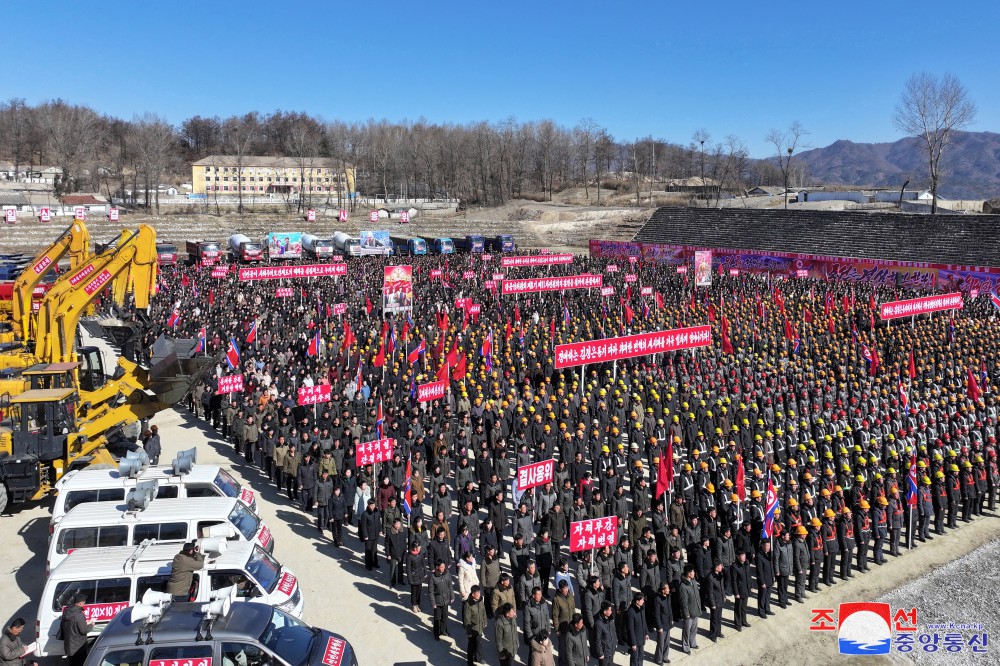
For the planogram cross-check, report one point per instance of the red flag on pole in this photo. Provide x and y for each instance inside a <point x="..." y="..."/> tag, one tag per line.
<point x="665" y="472"/>
<point x="442" y="373"/>
<point x="508" y="332"/>
<point x="659" y="301"/>
<point x="913" y="367"/>
<point x="459" y="372"/>
<point x="741" y="479"/>
<point x="379" y="360"/>
<point x="972" y="389"/>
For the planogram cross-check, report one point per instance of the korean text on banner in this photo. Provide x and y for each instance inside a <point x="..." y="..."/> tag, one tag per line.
<point x="612" y="349"/>
<point x="231" y="384"/>
<point x="541" y="260"/>
<point x="593" y="533"/>
<point x="379" y="450"/>
<point x="918" y="306"/>
<point x="431" y="391"/>
<point x="584" y="281"/>
<point x="290" y="272"/>
<point x="536" y="474"/>
<point x="311" y="395"/>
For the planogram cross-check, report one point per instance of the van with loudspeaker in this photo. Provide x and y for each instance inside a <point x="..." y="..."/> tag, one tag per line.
<point x="181" y="479"/>
<point x="113" y="579"/>
<point x="104" y="524"/>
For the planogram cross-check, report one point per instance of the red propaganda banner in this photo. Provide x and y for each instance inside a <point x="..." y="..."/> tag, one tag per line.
<point x="45" y="215"/>
<point x="342" y="215"/>
<point x="468" y="275"/>
<point x="99" y="613"/>
<point x="209" y="260"/>
<point x="460" y="303"/>
<point x="397" y="288"/>
<point x="646" y="291"/>
<point x="593" y="533"/>
<point x="11" y="216"/>
<point x="733" y="272"/>
<point x="246" y="496"/>
<point x="380" y="450"/>
<point x="220" y="272"/>
<point x="284" y="292"/>
<point x="475" y="309"/>
<point x="337" y="257"/>
<point x="490" y="284"/>
<point x="339" y="308"/>
<point x="541" y="260"/>
<point x="607" y="291"/>
<point x="498" y="276"/>
<point x="288" y="272"/>
<point x="231" y="384"/>
<point x="431" y="391"/>
<point x="487" y="257"/>
<point x="435" y="272"/>
<point x="535" y="474"/>
<point x="334" y="652"/>
<point x="682" y="269"/>
<point x="611" y="268"/>
<point x="373" y="216"/>
<point x="611" y="349"/>
<point x="264" y="536"/>
<point x="552" y="284"/>
<point x="631" y="277"/>
<point x="799" y="273"/>
<point x="286" y="585"/>
<point x="917" y="306"/>
<point x="98" y="282"/>
<point x="310" y="215"/>
<point x="197" y="661"/>
<point x="311" y="395"/>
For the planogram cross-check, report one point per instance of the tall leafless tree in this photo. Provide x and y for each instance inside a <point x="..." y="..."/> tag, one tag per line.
<point x="932" y="110"/>
<point x="240" y="136"/>
<point x="785" y="143"/>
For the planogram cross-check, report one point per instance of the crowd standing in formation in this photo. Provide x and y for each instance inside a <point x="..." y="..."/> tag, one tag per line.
<point x="803" y="390"/>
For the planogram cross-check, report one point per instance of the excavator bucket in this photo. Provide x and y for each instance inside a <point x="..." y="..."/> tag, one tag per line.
<point x="175" y="368"/>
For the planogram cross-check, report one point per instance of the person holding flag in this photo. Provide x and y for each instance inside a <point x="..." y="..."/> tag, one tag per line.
<point x="233" y="355"/>
<point x="252" y="333"/>
<point x="315" y="345"/>
<point x="487" y="351"/>
<point x="912" y="496"/>
<point x="379" y="421"/>
<point x="202" y="346"/>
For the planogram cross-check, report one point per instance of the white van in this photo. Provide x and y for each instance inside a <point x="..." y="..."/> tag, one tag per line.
<point x="176" y="481"/>
<point x="102" y="524"/>
<point x="116" y="578"/>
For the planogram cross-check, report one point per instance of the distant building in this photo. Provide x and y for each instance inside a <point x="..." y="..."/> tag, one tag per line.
<point x="270" y="175"/>
<point x="766" y="191"/>
<point x="702" y="188"/>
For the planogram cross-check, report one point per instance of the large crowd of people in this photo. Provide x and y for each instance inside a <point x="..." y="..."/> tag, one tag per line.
<point x="803" y="390"/>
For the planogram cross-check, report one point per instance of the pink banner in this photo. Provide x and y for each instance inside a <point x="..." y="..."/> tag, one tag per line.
<point x="487" y="257"/>
<point x="552" y="284"/>
<point x="311" y="395"/>
<point x="197" y="661"/>
<point x="220" y="272"/>
<point x="435" y="272"/>
<point x="334" y="652"/>
<point x="98" y="282"/>
<point x="286" y="585"/>
<point x="611" y="349"/>
<point x="611" y="268"/>
<point x="535" y="474"/>
<point x="468" y="275"/>
<point x="918" y="306"/>
<point x="593" y="533"/>
<point x="284" y="292"/>
<point x="431" y="391"/>
<point x="646" y="291"/>
<point x="291" y="272"/>
<point x="230" y="384"/>
<point x="103" y="612"/>
<point x="339" y="308"/>
<point x="369" y="453"/>
<point x="475" y="309"/>
<point x="631" y="277"/>
<point x="607" y="291"/>
<point x="543" y="260"/>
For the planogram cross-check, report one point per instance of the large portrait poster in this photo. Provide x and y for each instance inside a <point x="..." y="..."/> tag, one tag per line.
<point x="397" y="288"/>
<point x="703" y="268"/>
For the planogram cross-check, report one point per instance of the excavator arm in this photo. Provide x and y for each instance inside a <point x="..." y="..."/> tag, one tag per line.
<point x="75" y="241"/>
<point x="128" y="267"/>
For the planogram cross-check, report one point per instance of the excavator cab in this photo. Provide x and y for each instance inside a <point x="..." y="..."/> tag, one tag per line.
<point x="92" y="375"/>
<point x="33" y="437"/>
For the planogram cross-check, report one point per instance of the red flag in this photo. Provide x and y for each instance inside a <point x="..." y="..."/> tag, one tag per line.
<point x="211" y="297"/>
<point x="913" y="367"/>
<point x="829" y="325"/>
<point x="628" y="291"/>
<point x="465" y="317"/>
<point x="789" y="332"/>
<point x="692" y="301"/>
<point x="629" y="315"/>
<point x="552" y="329"/>
<point x="871" y="301"/>
<point x="517" y="314"/>
<point x="184" y="281"/>
<point x="711" y="313"/>
<point x="665" y="473"/>
<point x="659" y="301"/>
<point x="741" y="479"/>
<point x="508" y="332"/>
<point x="808" y="316"/>
<point x="846" y="303"/>
<point x="379" y="359"/>
<point x="453" y="356"/>
<point x="349" y="338"/>
<point x="439" y="348"/>
<point x="727" y="345"/>
<point x="368" y="305"/>
<point x="826" y="305"/>
<point x="780" y="300"/>
<point x="972" y="389"/>
<point x="406" y="329"/>
<point x="442" y="373"/>
<point x="876" y="361"/>
<point x="459" y="372"/>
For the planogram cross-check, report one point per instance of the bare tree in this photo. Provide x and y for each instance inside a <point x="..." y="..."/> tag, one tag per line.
<point x="932" y="110"/>
<point x="240" y="136"/>
<point x="71" y="134"/>
<point x="785" y="143"/>
<point x="153" y="147"/>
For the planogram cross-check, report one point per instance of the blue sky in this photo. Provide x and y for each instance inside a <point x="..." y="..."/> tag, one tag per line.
<point x="663" y="68"/>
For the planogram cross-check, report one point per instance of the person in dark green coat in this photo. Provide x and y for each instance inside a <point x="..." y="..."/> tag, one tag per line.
<point x="505" y="635"/>
<point x="474" y="621"/>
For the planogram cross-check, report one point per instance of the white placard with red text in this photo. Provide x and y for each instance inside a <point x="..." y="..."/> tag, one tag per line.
<point x="113" y="215"/>
<point x="607" y="291"/>
<point x="79" y="213"/>
<point x="310" y="215"/>
<point x="231" y="384"/>
<point x="593" y="533"/>
<point x="45" y="215"/>
<point x="10" y="215"/>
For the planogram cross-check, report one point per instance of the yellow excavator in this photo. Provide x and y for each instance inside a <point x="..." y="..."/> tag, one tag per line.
<point x="74" y="415"/>
<point x="17" y="309"/>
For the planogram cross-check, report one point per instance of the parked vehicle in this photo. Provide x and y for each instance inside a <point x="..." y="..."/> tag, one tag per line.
<point x="245" y="250"/>
<point x="470" y="244"/>
<point x="205" y="253"/>
<point x="114" y="579"/>
<point x="412" y="245"/>
<point x="441" y="245"/>
<point x="501" y="243"/>
<point x="349" y="247"/>
<point x="166" y="254"/>
<point x="317" y="248"/>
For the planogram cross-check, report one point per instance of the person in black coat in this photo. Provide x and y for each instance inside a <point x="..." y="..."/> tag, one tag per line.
<point x="337" y="508"/>
<point x="369" y="526"/>
<point x="605" y="636"/>
<point x="636" y="629"/>
<point x="765" y="579"/>
<point x="739" y="582"/>
<point x="661" y="621"/>
<point x="716" y="600"/>
<point x="701" y="558"/>
<point x="415" y="571"/>
<point x="395" y="548"/>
